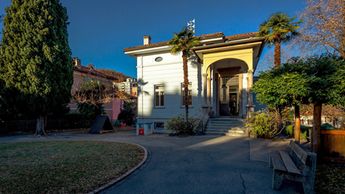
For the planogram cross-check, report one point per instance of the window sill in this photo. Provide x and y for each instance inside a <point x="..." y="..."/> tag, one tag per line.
<point x="188" y="107"/>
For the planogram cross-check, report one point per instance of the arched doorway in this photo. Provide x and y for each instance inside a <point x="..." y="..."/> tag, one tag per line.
<point x="229" y="87"/>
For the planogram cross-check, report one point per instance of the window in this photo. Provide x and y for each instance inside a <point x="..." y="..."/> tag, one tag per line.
<point x="189" y="94"/>
<point x="159" y="95"/>
<point x="159" y="125"/>
<point x="158" y="59"/>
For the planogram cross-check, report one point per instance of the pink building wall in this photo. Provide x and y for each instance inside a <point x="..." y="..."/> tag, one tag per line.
<point x="112" y="109"/>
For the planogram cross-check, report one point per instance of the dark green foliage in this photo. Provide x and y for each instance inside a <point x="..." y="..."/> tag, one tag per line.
<point x="90" y="110"/>
<point x="338" y="90"/>
<point x="327" y="126"/>
<point x="127" y="114"/>
<point x="310" y="80"/>
<point x="36" y="58"/>
<point x="289" y="130"/>
<point x="277" y="88"/>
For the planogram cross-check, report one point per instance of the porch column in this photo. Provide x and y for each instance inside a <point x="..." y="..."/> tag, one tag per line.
<point x="250" y="105"/>
<point x="209" y="89"/>
<point x="240" y="93"/>
<point x="204" y="81"/>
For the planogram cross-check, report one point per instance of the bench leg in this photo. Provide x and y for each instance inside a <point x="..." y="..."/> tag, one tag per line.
<point x="277" y="180"/>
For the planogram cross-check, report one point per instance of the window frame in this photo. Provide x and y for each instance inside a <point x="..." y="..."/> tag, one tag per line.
<point x="190" y="86"/>
<point x="159" y="99"/>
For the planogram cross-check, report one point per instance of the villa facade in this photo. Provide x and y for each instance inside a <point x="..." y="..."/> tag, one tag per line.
<point x="220" y="75"/>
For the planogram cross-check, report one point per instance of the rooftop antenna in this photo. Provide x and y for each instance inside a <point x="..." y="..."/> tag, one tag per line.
<point x="191" y="25"/>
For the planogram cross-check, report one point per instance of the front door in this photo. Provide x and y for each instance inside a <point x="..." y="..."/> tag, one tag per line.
<point x="229" y="95"/>
<point x="233" y="104"/>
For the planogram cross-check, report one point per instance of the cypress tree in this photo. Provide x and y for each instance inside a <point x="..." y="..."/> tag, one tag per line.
<point x="36" y="58"/>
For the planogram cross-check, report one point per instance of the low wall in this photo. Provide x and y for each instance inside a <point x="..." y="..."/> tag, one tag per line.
<point x="333" y="143"/>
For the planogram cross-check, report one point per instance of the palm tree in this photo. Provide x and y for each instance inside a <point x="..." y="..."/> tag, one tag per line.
<point x="278" y="29"/>
<point x="183" y="42"/>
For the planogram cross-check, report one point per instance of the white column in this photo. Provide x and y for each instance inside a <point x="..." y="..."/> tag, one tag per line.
<point x="250" y="105"/>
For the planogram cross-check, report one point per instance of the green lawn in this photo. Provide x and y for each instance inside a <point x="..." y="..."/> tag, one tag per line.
<point x="63" y="167"/>
<point x="330" y="178"/>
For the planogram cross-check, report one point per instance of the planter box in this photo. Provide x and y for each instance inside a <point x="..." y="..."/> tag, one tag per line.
<point x="333" y="143"/>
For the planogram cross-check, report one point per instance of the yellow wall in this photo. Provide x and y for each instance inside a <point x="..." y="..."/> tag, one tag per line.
<point x="245" y="55"/>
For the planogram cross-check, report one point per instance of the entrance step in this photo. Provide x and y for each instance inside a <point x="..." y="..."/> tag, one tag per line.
<point x="236" y="132"/>
<point x="223" y="125"/>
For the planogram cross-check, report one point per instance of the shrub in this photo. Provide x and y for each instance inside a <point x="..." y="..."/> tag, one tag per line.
<point x="262" y="125"/>
<point x="127" y="114"/>
<point x="327" y="126"/>
<point x="180" y="127"/>
<point x="90" y="110"/>
<point x="289" y="130"/>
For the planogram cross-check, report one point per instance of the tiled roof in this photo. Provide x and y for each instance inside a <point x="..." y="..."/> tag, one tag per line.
<point x="202" y="37"/>
<point x="241" y="36"/>
<point x="91" y="70"/>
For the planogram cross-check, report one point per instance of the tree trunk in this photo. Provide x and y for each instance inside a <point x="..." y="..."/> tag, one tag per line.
<point x="185" y="82"/>
<point x="297" y="128"/>
<point x="315" y="140"/>
<point x="40" y="125"/>
<point x="277" y="53"/>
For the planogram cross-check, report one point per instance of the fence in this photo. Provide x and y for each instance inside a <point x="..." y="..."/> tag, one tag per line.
<point x="52" y="124"/>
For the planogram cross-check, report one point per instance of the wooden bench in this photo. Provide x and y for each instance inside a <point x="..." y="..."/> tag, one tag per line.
<point x="295" y="164"/>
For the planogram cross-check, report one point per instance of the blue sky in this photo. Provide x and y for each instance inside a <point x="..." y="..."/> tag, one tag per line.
<point x="100" y="30"/>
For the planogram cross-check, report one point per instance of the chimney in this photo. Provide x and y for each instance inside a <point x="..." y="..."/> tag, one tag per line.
<point x="147" y="40"/>
<point x="76" y="62"/>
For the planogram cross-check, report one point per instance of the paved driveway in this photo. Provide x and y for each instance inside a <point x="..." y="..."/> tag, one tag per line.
<point x="201" y="164"/>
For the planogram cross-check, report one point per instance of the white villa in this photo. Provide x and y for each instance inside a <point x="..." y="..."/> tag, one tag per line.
<point x="220" y="76"/>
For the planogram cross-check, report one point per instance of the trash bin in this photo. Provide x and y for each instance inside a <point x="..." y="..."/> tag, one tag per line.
<point x="141" y="131"/>
<point x="144" y="128"/>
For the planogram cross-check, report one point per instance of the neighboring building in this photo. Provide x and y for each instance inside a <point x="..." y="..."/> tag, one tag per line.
<point x="129" y="87"/>
<point x="220" y="76"/>
<point x="85" y="73"/>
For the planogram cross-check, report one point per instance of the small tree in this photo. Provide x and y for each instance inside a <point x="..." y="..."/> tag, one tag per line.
<point x="277" y="29"/>
<point x="91" y="96"/>
<point x="183" y="42"/>
<point x="36" y="56"/>
<point x="316" y="80"/>
<point x="324" y="25"/>
<point x="279" y="88"/>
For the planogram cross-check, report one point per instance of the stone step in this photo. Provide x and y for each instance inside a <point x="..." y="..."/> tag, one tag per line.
<point x="236" y="132"/>
<point x="223" y="125"/>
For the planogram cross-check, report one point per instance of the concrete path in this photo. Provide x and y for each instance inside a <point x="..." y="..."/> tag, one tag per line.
<point x="200" y="164"/>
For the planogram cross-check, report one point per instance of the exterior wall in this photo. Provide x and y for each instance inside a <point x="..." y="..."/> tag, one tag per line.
<point x="112" y="108"/>
<point x="168" y="72"/>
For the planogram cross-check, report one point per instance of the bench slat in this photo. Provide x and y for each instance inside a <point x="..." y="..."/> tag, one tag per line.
<point x="289" y="164"/>
<point x="277" y="162"/>
<point x="300" y="153"/>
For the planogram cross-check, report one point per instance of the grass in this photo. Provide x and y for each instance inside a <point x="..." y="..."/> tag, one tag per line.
<point x="63" y="167"/>
<point x="330" y="178"/>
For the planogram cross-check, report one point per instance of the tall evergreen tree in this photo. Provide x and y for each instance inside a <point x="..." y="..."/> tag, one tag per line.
<point x="36" y="56"/>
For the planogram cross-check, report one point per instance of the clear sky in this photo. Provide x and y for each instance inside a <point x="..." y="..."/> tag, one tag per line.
<point x="99" y="30"/>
